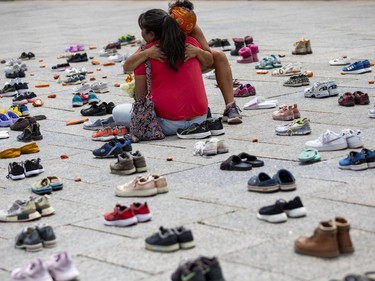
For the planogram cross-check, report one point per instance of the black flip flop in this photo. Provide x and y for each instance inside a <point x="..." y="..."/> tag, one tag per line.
<point x="234" y="163"/>
<point x="251" y="159"/>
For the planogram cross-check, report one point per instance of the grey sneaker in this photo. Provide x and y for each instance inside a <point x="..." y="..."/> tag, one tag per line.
<point x="124" y="165"/>
<point x="29" y="239"/>
<point x="297" y="127"/>
<point x="232" y="114"/>
<point x="297" y="81"/>
<point x="100" y="87"/>
<point x="139" y="162"/>
<point x="99" y="124"/>
<point x="43" y="206"/>
<point x="20" y="211"/>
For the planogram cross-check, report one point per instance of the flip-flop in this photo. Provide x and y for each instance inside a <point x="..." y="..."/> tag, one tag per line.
<point x="55" y="183"/>
<point x="309" y="154"/>
<point x="235" y="163"/>
<point x="250" y="159"/>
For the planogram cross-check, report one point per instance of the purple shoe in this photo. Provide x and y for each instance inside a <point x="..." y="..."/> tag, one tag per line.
<point x="61" y="268"/>
<point x="241" y="91"/>
<point x="34" y="271"/>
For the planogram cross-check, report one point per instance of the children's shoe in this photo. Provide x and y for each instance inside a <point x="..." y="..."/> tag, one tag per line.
<point x="332" y="88"/>
<point x="328" y="141"/>
<point x="47" y="235"/>
<point x="298" y="127"/>
<point x="35" y="271"/>
<point x="16" y="171"/>
<point x="238" y="44"/>
<point x="241" y="91"/>
<point x="361" y="98"/>
<point x="371" y="113"/>
<point x="357" y="67"/>
<point x="318" y="90"/>
<point x="61" y="267"/>
<point x="343" y="60"/>
<point x="108" y="150"/>
<point x="138" y="187"/>
<point x="29" y="240"/>
<point x="297" y="81"/>
<point x="285" y="113"/>
<point x="141" y="211"/>
<point x="124" y="165"/>
<point x="33" y="167"/>
<point x="120" y="216"/>
<point x="78" y="100"/>
<point x="352" y="137"/>
<point x="163" y="241"/>
<point x="370" y="157"/>
<point x="92" y="98"/>
<point x="346" y="99"/>
<point x="354" y="161"/>
<point x="20" y="211"/>
<point x="232" y="114"/>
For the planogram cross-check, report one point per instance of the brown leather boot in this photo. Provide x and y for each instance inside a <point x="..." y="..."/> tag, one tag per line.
<point x="323" y="243"/>
<point x="343" y="236"/>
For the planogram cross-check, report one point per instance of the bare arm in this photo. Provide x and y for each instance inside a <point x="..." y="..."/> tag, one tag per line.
<point x="140" y="57"/>
<point x="140" y="86"/>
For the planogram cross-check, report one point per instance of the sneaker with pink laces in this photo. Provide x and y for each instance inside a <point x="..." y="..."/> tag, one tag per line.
<point x="285" y="113"/>
<point x="61" y="268"/>
<point x="34" y="271"/>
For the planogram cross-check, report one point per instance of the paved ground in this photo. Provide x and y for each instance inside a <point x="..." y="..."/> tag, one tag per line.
<point x="215" y="204"/>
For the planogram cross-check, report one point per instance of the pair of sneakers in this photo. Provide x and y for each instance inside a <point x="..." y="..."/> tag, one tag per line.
<point x="57" y="267"/>
<point x="33" y="239"/>
<point x="20" y="170"/>
<point x="127" y="216"/>
<point x="212" y="146"/>
<point x="129" y="163"/>
<point x="281" y="210"/>
<point x="286" y="113"/>
<point x="322" y="90"/>
<point x="330" y="140"/>
<point x="170" y="240"/>
<point x="143" y="186"/>
<point x="79" y="99"/>
<point x="203" y="130"/>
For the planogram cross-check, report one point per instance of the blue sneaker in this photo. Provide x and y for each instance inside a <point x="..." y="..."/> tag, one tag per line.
<point x="125" y="144"/>
<point x="357" y="67"/>
<point x="23" y="109"/>
<point x="77" y="100"/>
<point x="370" y="157"/>
<point x="355" y="161"/>
<point x="93" y="98"/>
<point x="108" y="150"/>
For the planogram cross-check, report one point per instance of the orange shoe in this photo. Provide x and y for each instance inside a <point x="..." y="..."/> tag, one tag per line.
<point x="119" y="131"/>
<point x="104" y="134"/>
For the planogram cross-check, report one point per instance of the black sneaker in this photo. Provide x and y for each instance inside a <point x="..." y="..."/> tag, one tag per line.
<point x="15" y="74"/>
<point x="19" y="99"/>
<point x="30" y="96"/>
<point x="21" y="87"/>
<point x="232" y="114"/>
<point x="215" y="126"/>
<point x="9" y="91"/>
<point x="78" y="58"/>
<point x="215" y="43"/>
<point x="184" y="237"/>
<point x="110" y="106"/>
<point x="95" y="110"/>
<point x="294" y="208"/>
<point x="163" y="241"/>
<point x="273" y="213"/>
<point x="195" y="131"/>
<point x="16" y="171"/>
<point x="211" y="268"/>
<point x="47" y="235"/>
<point x="61" y="67"/>
<point x="190" y="271"/>
<point x="29" y="239"/>
<point x="33" y="167"/>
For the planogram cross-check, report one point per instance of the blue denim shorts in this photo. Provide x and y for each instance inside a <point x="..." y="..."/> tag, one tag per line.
<point x="170" y="127"/>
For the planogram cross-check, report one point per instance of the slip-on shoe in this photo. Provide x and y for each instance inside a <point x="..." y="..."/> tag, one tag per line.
<point x="251" y="159"/>
<point x="262" y="183"/>
<point x="285" y="180"/>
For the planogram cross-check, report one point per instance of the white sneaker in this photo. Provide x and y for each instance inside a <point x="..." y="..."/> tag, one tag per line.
<point x="210" y="75"/>
<point x="210" y="147"/>
<point x="353" y="138"/>
<point x="116" y="58"/>
<point x="61" y="268"/>
<point x="34" y="271"/>
<point x="318" y="90"/>
<point x="100" y="87"/>
<point x="328" y="141"/>
<point x="13" y="81"/>
<point x="343" y="60"/>
<point x="332" y="88"/>
<point x="83" y="88"/>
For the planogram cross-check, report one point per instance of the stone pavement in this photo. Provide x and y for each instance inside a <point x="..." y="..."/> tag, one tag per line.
<point x="215" y="204"/>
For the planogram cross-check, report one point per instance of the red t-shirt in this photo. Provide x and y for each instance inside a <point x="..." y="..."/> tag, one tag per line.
<point x="177" y="95"/>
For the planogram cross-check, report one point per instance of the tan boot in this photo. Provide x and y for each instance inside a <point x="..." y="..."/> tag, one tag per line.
<point x="343" y="236"/>
<point x="299" y="47"/>
<point x="323" y="243"/>
<point x="308" y="47"/>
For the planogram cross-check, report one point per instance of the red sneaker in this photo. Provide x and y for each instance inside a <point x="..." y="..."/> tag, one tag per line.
<point x="142" y="212"/>
<point x="120" y="216"/>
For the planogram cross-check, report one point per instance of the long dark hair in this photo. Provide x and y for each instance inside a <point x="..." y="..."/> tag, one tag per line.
<point x="167" y="31"/>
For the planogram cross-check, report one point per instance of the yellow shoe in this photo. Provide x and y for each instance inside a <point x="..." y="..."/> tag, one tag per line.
<point x="29" y="148"/>
<point x="10" y="153"/>
<point x="15" y="109"/>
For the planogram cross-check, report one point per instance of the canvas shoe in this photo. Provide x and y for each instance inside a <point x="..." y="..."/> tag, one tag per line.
<point x="124" y="165"/>
<point x="297" y="127"/>
<point x="195" y="131"/>
<point x="61" y="267"/>
<point x="120" y="216"/>
<point x="141" y="211"/>
<point x="355" y="161"/>
<point x="318" y="90"/>
<point x="357" y="67"/>
<point x="20" y="211"/>
<point x="108" y="150"/>
<point x="16" y="171"/>
<point x="29" y="240"/>
<point x="353" y="138"/>
<point x="33" y="167"/>
<point x="34" y="271"/>
<point x="328" y="141"/>
<point x="232" y="114"/>
<point x="163" y="241"/>
<point x="138" y="187"/>
<point x="343" y="60"/>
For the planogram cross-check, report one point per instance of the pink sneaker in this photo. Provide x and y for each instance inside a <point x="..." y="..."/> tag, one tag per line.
<point x="61" y="268"/>
<point x="241" y="91"/>
<point x="34" y="271"/>
<point x="296" y="112"/>
<point x="284" y="113"/>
